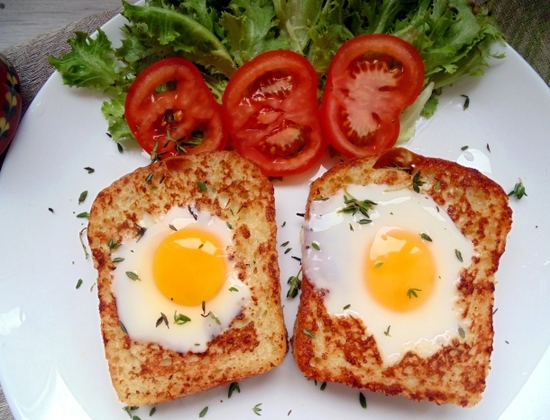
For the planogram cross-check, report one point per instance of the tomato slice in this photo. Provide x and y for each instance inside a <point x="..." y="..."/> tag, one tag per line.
<point x="271" y="109"/>
<point x="171" y="111"/>
<point x="371" y="79"/>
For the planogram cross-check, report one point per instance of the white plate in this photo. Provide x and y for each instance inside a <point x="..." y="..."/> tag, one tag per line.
<point x="52" y="364"/>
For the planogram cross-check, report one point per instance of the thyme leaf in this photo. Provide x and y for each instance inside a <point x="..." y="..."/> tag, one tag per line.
<point x="234" y="386"/>
<point x="362" y="400"/>
<point x="180" y="319"/>
<point x="353" y="206"/>
<point x="387" y="332"/>
<point x="426" y="237"/>
<point x="459" y="255"/>
<point x="162" y="319"/>
<point x="518" y="191"/>
<point x="295" y="285"/>
<point x="417" y="182"/>
<point x="203" y="412"/>
<point x="308" y="333"/>
<point x="202" y="186"/>
<point x="257" y="410"/>
<point x="132" y="276"/>
<point x="412" y="292"/>
<point x="82" y="196"/>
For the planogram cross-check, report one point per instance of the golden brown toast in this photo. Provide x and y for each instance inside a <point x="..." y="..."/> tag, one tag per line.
<point x="256" y="341"/>
<point x="339" y="349"/>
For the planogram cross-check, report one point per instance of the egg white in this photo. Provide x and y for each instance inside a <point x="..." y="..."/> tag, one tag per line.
<point x="334" y="250"/>
<point x="140" y="303"/>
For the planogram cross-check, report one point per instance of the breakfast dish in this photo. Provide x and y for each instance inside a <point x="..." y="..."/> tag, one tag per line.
<point x="188" y="283"/>
<point x="52" y="360"/>
<point x="425" y="237"/>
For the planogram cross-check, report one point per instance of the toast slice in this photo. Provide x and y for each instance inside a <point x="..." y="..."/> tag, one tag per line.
<point x="234" y="190"/>
<point x="339" y="349"/>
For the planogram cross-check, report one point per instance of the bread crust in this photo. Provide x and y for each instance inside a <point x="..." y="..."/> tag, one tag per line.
<point x="237" y="192"/>
<point x="342" y="351"/>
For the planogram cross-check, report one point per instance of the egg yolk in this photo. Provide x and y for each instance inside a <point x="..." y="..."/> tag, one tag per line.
<point x="189" y="266"/>
<point x="400" y="269"/>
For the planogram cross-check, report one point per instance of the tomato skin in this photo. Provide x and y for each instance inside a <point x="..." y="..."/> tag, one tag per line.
<point x="11" y="103"/>
<point x="271" y="109"/>
<point x="371" y="79"/>
<point x="158" y="119"/>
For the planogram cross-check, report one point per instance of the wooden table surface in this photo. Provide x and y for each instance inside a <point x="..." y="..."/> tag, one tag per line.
<point x="21" y="20"/>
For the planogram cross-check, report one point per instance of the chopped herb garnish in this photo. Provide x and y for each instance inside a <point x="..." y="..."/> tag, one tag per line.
<point x="118" y="259"/>
<point x="132" y="276"/>
<point x="180" y="319"/>
<point x="112" y="244"/>
<point x="387" y="332"/>
<point x="323" y="386"/>
<point x="171" y="226"/>
<point x="316" y="246"/>
<point x="233" y="289"/>
<point x="353" y="205"/>
<point x="50" y="210"/>
<point x="90" y="170"/>
<point x="466" y="102"/>
<point x="234" y="386"/>
<point x="288" y="250"/>
<point x="153" y="410"/>
<point x="149" y="177"/>
<point x="416" y="182"/>
<point x="79" y="283"/>
<point x="83" y="215"/>
<point x="119" y="147"/>
<point x="308" y="333"/>
<point x="285" y="243"/>
<point x="295" y="285"/>
<point x="202" y="186"/>
<point x="362" y="400"/>
<point x="284" y="224"/>
<point x="461" y="332"/>
<point x="214" y="317"/>
<point x="209" y="314"/>
<point x="123" y="328"/>
<point x="488" y="148"/>
<point x="129" y="409"/>
<point x="518" y="191"/>
<point x="82" y="196"/>
<point x="162" y="319"/>
<point x="229" y="225"/>
<point x="257" y="409"/>
<point x="203" y="412"/>
<point x="459" y="255"/>
<point x="154" y="154"/>
<point x="347" y="306"/>
<point x="412" y="292"/>
<point x="300" y="214"/>
<point x="141" y="231"/>
<point x="378" y="264"/>
<point x="464" y="148"/>
<point x="425" y="237"/>
<point x="438" y="186"/>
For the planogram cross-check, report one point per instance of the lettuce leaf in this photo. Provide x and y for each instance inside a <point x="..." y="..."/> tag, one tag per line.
<point x="90" y="64"/>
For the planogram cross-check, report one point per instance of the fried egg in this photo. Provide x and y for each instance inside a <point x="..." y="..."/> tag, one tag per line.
<point x="175" y="284"/>
<point x="392" y="258"/>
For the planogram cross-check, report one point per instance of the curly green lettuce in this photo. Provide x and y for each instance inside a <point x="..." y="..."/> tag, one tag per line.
<point x="453" y="39"/>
